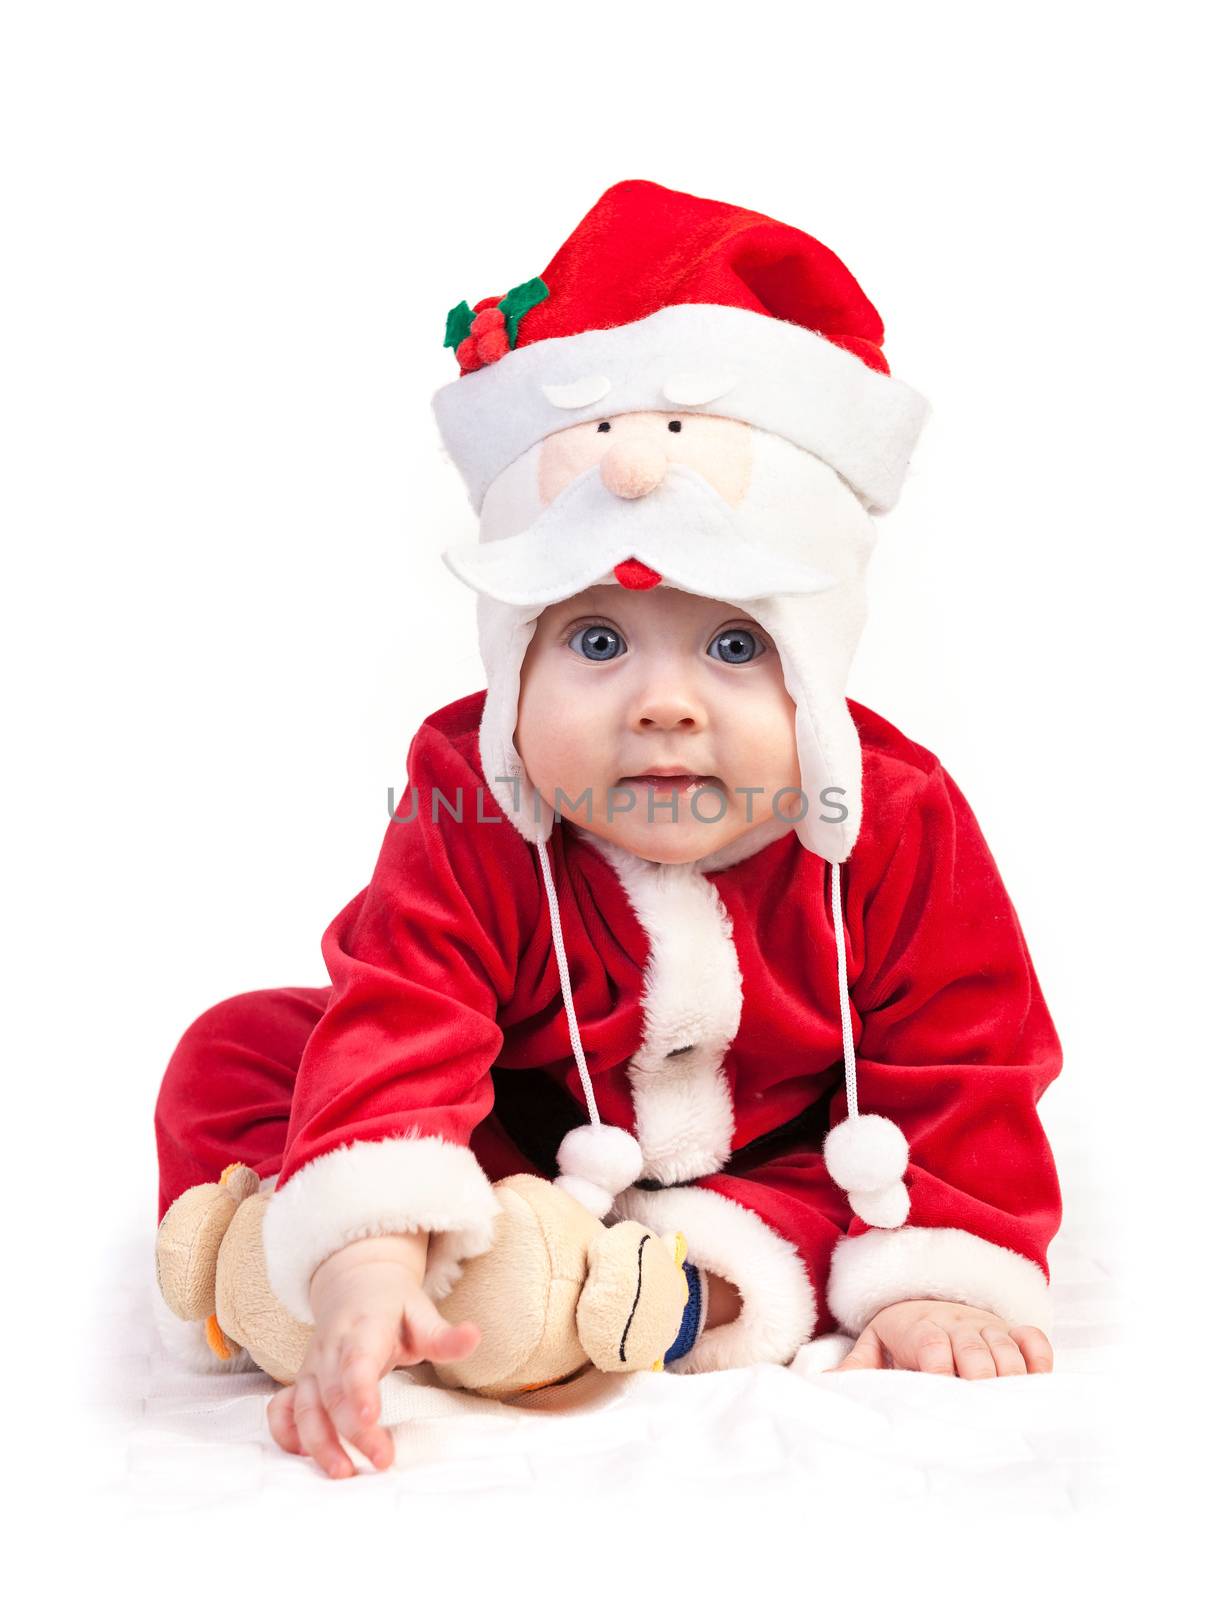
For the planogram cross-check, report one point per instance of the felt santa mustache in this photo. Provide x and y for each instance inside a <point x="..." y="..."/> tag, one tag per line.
<point x="683" y="531"/>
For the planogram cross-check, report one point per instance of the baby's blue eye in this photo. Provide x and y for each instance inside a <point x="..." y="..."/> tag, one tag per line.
<point x="597" y="643"/>
<point x="735" y="645"/>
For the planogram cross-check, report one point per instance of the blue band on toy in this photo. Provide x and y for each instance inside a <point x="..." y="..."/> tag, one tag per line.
<point x="693" y="1316"/>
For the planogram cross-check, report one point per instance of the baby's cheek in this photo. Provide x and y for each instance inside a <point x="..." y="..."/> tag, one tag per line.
<point x="541" y="737"/>
<point x="772" y="756"/>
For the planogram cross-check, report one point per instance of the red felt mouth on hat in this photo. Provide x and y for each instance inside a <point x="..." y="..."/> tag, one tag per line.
<point x="633" y="574"/>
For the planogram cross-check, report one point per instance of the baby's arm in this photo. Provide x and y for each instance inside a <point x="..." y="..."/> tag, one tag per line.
<point x="956" y="1046"/>
<point x="370" y="1314"/>
<point x="380" y="1200"/>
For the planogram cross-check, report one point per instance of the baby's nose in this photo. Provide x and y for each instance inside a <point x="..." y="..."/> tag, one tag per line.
<point x="633" y="468"/>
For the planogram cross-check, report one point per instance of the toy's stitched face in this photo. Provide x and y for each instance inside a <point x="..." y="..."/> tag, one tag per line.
<point x="635" y="451"/>
<point x="616" y="681"/>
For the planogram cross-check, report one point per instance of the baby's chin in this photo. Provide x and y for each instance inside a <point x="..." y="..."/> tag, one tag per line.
<point x="664" y="841"/>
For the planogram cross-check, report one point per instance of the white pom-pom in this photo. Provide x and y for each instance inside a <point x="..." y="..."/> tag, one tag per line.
<point x="866" y="1153"/>
<point x="606" y="1156"/>
<point x="590" y="1195"/>
<point x="881" y="1208"/>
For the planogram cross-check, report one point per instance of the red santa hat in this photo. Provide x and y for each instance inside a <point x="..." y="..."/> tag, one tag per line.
<point x="664" y="301"/>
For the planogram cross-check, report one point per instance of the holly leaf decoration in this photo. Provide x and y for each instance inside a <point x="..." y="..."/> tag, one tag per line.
<point x="519" y="300"/>
<point x="459" y="321"/>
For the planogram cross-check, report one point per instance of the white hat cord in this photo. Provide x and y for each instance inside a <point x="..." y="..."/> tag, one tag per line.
<point x="865" y="1154"/>
<point x="596" y="1160"/>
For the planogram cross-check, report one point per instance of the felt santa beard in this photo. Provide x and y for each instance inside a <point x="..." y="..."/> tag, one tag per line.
<point x="792" y="554"/>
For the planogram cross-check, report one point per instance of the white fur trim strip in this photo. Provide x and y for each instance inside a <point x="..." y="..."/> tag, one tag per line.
<point x="875" y="1269"/>
<point x="779" y="1307"/>
<point x="691" y="1013"/>
<point x="790" y="381"/>
<point x="360" y="1190"/>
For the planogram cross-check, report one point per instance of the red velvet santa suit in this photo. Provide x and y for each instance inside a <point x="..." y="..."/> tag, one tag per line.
<point x="708" y="1007"/>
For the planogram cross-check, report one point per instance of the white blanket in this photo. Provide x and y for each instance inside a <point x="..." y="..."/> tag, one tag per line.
<point x="1039" y="1443"/>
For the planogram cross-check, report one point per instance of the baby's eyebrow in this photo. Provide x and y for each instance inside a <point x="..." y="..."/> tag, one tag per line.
<point x="569" y="618"/>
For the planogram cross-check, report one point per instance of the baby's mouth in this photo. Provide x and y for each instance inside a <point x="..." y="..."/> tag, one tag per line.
<point x="678" y="782"/>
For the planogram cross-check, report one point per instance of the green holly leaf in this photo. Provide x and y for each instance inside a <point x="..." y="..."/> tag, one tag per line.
<point x="459" y="321"/>
<point x="519" y="300"/>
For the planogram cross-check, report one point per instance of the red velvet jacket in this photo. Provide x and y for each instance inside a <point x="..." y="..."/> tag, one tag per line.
<point x="443" y="969"/>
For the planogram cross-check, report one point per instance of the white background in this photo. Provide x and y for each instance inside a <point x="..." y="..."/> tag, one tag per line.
<point x="233" y="233"/>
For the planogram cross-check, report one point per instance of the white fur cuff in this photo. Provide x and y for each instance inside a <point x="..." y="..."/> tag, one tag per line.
<point x="875" y="1269"/>
<point x="778" y="1303"/>
<point x="360" y="1190"/>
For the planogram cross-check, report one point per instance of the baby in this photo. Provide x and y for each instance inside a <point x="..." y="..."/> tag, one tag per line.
<point x="743" y="929"/>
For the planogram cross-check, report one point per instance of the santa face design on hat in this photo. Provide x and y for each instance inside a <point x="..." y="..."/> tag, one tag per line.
<point x="691" y="394"/>
<point x="700" y="503"/>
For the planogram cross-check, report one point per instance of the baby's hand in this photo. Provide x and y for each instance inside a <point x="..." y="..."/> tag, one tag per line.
<point x="370" y="1314"/>
<point x="942" y="1335"/>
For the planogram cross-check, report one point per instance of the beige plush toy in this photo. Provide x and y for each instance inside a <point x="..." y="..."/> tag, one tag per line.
<point x="555" y="1292"/>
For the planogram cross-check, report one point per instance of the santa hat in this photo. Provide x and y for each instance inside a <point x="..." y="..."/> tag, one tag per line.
<point x="663" y="301"/>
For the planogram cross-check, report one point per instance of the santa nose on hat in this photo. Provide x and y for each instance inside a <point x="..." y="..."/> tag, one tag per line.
<point x="634" y="467"/>
<point x="630" y="469"/>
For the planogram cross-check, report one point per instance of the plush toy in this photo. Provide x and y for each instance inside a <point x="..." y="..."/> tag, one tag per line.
<point x="555" y="1292"/>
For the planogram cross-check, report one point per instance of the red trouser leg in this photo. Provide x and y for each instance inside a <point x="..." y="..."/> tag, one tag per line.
<point x="226" y="1094"/>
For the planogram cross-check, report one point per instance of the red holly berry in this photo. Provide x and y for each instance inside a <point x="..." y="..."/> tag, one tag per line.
<point x="488" y="338"/>
<point x="467" y="356"/>
<point x="494" y="345"/>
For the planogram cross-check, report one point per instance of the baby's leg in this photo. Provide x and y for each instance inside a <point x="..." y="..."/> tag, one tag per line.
<point x="226" y="1093"/>
<point x="225" y="1098"/>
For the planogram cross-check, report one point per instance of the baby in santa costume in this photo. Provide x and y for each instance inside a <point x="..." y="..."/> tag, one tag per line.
<point x="661" y="915"/>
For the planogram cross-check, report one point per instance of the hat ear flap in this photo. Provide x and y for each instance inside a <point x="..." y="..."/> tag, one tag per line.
<point x="815" y="655"/>
<point x="504" y="634"/>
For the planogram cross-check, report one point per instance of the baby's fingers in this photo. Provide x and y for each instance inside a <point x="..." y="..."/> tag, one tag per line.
<point x="1036" y="1350"/>
<point x="281" y="1422"/>
<point x="868" y="1351"/>
<point x="352" y="1398"/>
<point x="316" y="1430"/>
<point x="926" y="1348"/>
<point x="972" y="1356"/>
<point x="1005" y="1353"/>
<point x="452" y="1341"/>
<point x="430" y="1337"/>
<point x="347" y="1375"/>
